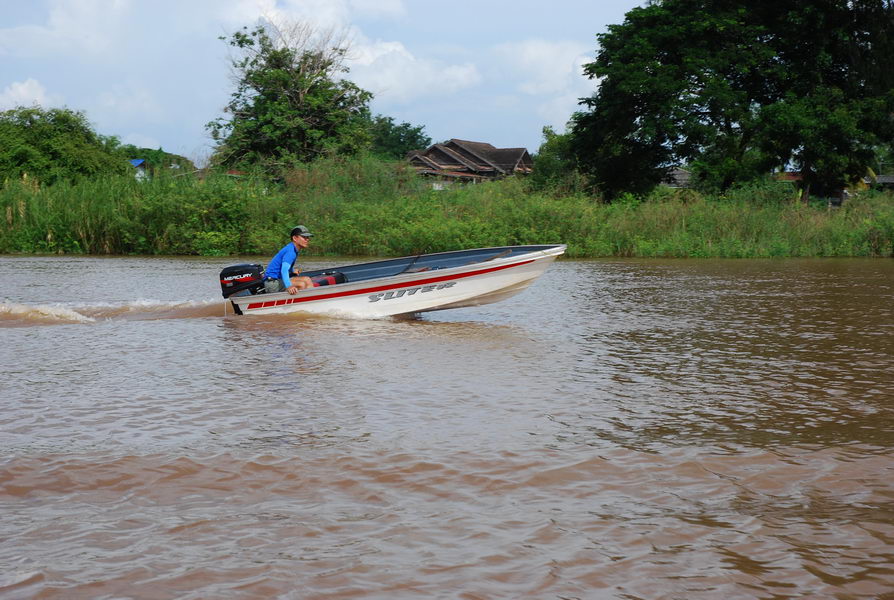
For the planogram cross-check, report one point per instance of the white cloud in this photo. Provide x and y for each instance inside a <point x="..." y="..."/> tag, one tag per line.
<point x="91" y="27"/>
<point x="557" y="111"/>
<point x="240" y="13"/>
<point x="550" y="72"/>
<point x="394" y="74"/>
<point x="379" y="8"/>
<point x="546" y="67"/>
<point x="130" y="100"/>
<point x="323" y="14"/>
<point x="27" y="93"/>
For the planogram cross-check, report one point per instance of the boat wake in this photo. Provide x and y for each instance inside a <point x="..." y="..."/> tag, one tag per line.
<point x="13" y="314"/>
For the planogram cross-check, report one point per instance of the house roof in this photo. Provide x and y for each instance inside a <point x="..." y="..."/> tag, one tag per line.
<point x="510" y="159"/>
<point x="463" y="156"/>
<point x="678" y="177"/>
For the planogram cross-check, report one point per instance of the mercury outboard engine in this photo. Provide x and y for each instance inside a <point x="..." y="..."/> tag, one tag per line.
<point x="242" y="280"/>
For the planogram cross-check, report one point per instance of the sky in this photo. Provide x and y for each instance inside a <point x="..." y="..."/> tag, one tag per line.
<point x="154" y="73"/>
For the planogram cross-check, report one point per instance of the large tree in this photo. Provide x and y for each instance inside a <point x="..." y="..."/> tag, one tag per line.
<point x="53" y="145"/>
<point x="290" y="103"/>
<point x="737" y="90"/>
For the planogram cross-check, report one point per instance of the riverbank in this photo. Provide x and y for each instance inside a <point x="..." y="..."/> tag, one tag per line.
<point x="376" y="209"/>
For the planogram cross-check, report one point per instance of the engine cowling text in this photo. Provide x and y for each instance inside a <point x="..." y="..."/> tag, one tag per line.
<point x="239" y="276"/>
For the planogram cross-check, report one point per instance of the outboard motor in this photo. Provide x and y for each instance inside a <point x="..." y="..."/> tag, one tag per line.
<point x="242" y="280"/>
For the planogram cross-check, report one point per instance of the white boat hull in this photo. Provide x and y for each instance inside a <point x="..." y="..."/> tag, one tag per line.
<point x="481" y="282"/>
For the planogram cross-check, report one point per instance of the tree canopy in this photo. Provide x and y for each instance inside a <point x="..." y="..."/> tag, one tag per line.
<point x="290" y="105"/>
<point x="55" y="144"/>
<point x="736" y="91"/>
<point x="392" y="140"/>
<point x="554" y="164"/>
<point x="157" y="159"/>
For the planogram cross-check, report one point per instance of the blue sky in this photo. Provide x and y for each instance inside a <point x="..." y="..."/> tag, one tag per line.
<point x="153" y="73"/>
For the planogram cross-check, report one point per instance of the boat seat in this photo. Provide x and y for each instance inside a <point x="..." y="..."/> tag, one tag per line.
<point x="329" y="278"/>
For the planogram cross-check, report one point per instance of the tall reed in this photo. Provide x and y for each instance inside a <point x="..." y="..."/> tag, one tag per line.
<point x="366" y="207"/>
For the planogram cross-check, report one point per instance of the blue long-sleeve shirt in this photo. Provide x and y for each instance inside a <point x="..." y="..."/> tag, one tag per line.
<point x="283" y="264"/>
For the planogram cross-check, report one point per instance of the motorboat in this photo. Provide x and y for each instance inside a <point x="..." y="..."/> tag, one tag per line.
<point x="396" y="286"/>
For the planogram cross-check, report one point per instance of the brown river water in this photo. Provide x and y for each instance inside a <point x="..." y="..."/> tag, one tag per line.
<point x="623" y="429"/>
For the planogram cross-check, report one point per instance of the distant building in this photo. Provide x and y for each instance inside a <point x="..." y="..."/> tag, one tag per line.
<point x="678" y="178"/>
<point x="885" y="182"/>
<point x="462" y="160"/>
<point x="140" y="171"/>
<point x="790" y="176"/>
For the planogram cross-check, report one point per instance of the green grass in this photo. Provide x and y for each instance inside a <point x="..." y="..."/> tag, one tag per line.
<point x="366" y="207"/>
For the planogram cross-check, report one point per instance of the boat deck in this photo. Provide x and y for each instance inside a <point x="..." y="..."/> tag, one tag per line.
<point x="427" y="262"/>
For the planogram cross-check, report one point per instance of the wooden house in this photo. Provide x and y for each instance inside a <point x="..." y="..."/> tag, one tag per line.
<point x="463" y="160"/>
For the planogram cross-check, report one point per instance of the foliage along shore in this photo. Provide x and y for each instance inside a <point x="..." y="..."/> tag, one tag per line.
<point x="369" y="207"/>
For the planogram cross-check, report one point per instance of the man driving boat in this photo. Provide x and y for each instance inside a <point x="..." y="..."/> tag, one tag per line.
<point x="282" y="274"/>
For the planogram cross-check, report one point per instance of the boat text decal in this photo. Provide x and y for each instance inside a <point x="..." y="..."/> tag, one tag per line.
<point x="409" y="291"/>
